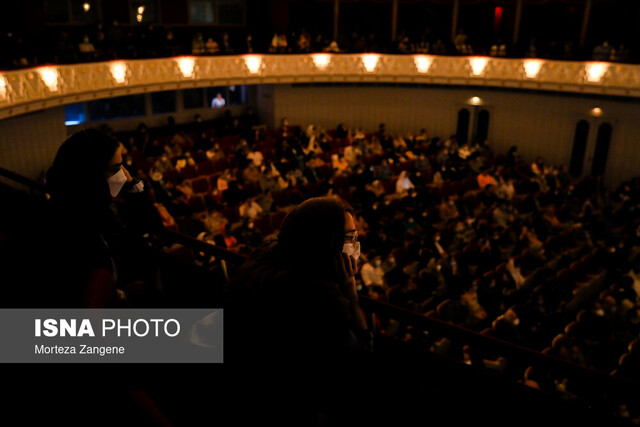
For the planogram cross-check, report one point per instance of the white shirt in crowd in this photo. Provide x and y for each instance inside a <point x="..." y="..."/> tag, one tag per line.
<point x="250" y="209"/>
<point x="372" y="275"/>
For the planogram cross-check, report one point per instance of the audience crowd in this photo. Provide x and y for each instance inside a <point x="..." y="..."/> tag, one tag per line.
<point x="511" y="248"/>
<point x="110" y="41"/>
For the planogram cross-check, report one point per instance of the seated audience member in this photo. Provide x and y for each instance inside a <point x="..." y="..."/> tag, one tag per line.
<point x="484" y="179"/>
<point x="404" y="185"/>
<point x="373" y="276"/>
<point x="448" y="210"/>
<point x="250" y="209"/>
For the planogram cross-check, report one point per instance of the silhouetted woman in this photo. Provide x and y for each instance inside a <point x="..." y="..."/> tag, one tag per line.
<point x="87" y="236"/>
<point x="294" y="316"/>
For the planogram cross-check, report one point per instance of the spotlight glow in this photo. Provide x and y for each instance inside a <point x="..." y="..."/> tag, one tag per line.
<point x="595" y="71"/>
<point x="3" y="88"/>
<point x="423" y="63"/>
<point x="475" y="100"/>
<point x="321" y="60"/>
<point x="478" y="64"/>
<point x="532" y="68"/>
<point x="370" y="62"/>
<point x="86" y="7"/>
<point x="119" y="72"/>
<point x="187" y="66"/>
<point x="253" y="63"/>
<point x="50" y="78"/>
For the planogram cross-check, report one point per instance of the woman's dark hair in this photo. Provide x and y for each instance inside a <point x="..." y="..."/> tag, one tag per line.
<point x="76" y="177"/>
<point x="310" y="238"/>
<point x="312" y="234"/>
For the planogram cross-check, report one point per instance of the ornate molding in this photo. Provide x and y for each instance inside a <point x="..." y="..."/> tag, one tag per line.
<point x="27" y="90"/>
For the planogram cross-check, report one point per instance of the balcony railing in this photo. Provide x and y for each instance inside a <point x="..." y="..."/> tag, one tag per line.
<point x="26" y="90"/>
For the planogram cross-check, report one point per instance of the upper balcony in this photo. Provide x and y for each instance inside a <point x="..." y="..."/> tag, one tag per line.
<point x="26" y="90"/>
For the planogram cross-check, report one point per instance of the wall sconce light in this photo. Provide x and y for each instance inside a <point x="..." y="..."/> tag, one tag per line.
<point x="478" y="64"/>
<point x="370" y="61"/>
<point x="86" y="6"/>
<point x="595" y="71"/>
<point x="321" y="60"/>
<point x="253" y="63"/>
<point x="474" y="100"/>
<point x="187" y="66"/>
<point x="532" y="68"/>
<point x="423" y="63"/>
<point x="49" y="77"/>
<point x="119" y="72"/>
<point x="596" y="112"/>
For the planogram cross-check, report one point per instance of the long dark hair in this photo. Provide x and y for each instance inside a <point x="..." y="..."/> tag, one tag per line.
<point x="310" y="238"/>
<point x="289" y="288"/>
<point x="76" y="180"/>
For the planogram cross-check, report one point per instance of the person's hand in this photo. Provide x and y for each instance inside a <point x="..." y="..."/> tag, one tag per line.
<point x="347" y="267"/>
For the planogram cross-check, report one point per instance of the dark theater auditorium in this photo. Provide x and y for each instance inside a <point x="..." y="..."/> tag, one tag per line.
<point x="459" y="178"/>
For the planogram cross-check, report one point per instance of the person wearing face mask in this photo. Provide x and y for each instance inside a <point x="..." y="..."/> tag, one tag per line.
<point x="293" y="313"/>
<point x="91" y="228"/>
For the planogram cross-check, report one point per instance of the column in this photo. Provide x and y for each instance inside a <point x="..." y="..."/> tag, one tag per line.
<point x="454" y="19"/>
<point x="394" y="20"/>
<point x="585" y="22"/>
<point x="336" y="17"/>
<point x="516" y="23"/>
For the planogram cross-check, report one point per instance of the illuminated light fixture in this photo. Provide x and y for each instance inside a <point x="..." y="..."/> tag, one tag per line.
<point x="321" y="60"/>
<point x="187" y="66"/>
<point x="596" y="112"/>
<point x="119" y="72"/>
<point x="139" y="17"/>
<point x="140" y="10"/>
<point x="370" y="61"/>
<point x="50" y="78"/>
<point x="478" y="64"/>
<point x="475" y="100"/>
<point x="595" y="71"/>
<point x="253" y="63"/>
<point x="3" y="89"/>
<point x="423" y="63"/>
<point x="86" y="7"/>
<point x="532" y="68"/>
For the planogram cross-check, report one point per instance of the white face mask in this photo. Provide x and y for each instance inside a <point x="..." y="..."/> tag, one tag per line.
<point x="116" y="181"/>
<point x="352" y="249"/>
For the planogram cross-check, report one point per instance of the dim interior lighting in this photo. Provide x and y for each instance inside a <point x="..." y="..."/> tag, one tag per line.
<point x="139" y="17"/>
<point x="321" y="60"/>
<point x="423" y="63"/>
<point x="596" y="112"/>
<point x="119" y="72"/>
<point x="532" y="68"/>
<point x="86" y="7"/>
<point x="475" y="100"/>
<point x="50" y="78"/>
<point x="370" y="61"/>
<point x="478" y="64"/>
<point x="186" y="66"/>
<point x="595" y="71"/>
